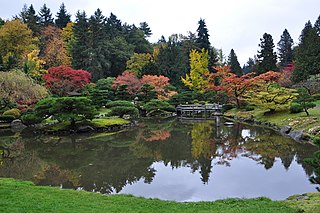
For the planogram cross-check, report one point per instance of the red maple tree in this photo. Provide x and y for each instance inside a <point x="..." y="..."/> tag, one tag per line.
<point x="64" y="81"/>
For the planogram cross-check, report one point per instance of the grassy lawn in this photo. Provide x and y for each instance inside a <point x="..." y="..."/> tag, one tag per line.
<point x="298" y="121"/>
<point x="22" y="196"/>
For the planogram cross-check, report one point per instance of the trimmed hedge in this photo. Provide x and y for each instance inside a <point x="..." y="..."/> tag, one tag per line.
<point x="124" y="110"/>
<point x="119" y="103"/>
<point x="30" y="119"/>
<point x="296" y="108"/>
<point x="7" y="118"/>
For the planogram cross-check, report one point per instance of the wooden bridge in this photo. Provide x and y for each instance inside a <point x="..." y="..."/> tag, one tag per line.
<point x="199" y="110"/>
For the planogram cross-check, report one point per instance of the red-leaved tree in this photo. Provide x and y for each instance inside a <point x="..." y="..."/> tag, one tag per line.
<point x="160" y="84"/>
<point x="65" y="81"/>
<point x="130" y="79"/>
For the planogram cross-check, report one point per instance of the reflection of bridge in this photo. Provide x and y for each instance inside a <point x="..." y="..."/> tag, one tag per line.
<point x="199" y="110"/>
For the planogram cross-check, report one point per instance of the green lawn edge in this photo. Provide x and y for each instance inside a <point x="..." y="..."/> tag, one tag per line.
<point x="24" y="196"/>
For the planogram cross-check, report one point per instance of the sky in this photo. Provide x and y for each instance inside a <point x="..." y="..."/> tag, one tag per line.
<point x="237" y="24"/>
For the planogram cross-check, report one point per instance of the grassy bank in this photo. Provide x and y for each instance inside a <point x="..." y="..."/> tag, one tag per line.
<point x="22" y="196"/>
<point x="298" y="121"/>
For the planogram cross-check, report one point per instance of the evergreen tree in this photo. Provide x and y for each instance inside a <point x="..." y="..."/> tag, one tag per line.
<point x="267" y="57"/>
<point x="248" y="67"/>
<point x="136" y="37"/>
<point x="203" y="36"/>
<point x="234" y="63"/>
<point x="63" y="18"/>
<point x="45" y="16"/>
<point x="98" y="61"/>
<point x="114" y="26"/>
<point x="307" y="54"/>
<point x="317" y="25"/>
<point x="1" y="22"/>
<point x="31" y="19"/>
<point x="285" y="49"/>
<point x="79" y="50"/>
<point x="23" y="14"/>
<point x="145" y="28"/>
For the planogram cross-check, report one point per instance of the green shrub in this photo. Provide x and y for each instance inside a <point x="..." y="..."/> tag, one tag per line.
<point x="7" y="118"/>
<point x="296" y="108"/>
<point x="119" y="103"/>
<point x="228" y="106"/>
<point x="316" y="96"/>
<point x="124" y="110"/>
<point x="156" y="104"/>
<point x="30" y="119"/>
<point x="249" y="108"/>
<point x="14" y="112"/>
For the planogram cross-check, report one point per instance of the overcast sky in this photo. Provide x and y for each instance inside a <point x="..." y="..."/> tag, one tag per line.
<point x="237" y="24"/>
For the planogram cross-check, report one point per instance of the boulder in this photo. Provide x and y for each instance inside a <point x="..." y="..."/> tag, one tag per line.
<point x="296" y="135"/>
<point x="285" y="130"/>
<point x="83" y="129"/>
<point x="17" y="124"/>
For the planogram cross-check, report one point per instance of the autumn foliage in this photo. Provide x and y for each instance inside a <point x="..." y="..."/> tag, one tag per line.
<point x="63" y="80"/>
<point x="134" y="84"/>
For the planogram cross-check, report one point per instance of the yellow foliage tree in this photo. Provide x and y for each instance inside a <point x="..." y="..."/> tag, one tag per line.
<point x="33" y="65"/>
<point x="199" y="72"/>
<point x="15" y="41"/>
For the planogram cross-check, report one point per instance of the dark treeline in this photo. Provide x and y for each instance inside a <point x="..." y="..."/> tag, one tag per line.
<point x="106" y="47"/>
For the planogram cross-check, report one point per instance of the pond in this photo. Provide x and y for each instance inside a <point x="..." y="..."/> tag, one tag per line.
<point x="168" y="159"/>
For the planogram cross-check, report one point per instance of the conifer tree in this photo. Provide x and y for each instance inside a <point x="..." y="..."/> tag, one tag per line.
<point x="203" y="36"/>
<point x="63" y="17"/>
<point x="285" y="49"/>
<point x="145" y="28"/>
<point x="30" y="18"/>
<point x="267" y="57"/>
<point x="45" y="16"/>
<point x="234" y="63"/>
<point x="79" y="50"/>
<point x="317" y="25"/>
<point x="307" y="54"/>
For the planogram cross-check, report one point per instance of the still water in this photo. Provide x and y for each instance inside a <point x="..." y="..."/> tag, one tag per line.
<point x="167" y="159"/>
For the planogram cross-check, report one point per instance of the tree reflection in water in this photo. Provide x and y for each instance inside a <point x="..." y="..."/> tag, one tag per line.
<point x="107" y="163"/>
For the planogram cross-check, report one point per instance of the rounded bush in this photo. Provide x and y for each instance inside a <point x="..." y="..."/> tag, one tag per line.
<point x="14" y="112"/>
<point x="124" y="110"/>
<point x="227" y="107"/>
<point x="296" y="108"/>
<point x="316" y="96"/>
<point x="30" y="119"/>
<point x="156" y="104"/>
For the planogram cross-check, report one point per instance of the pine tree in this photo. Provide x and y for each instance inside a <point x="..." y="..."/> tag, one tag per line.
<point x="307" y="54"/>
<point x="234" y="63"/>
<point x="267" y="57"/>
<point x="31" y="19"/>
<point x="1" y="22"/>
<point x="63" y="18"/>
<point x="79" y="50"/>
<point x="145" y="28"/>
<point x="114" y="26"/>
<point x="203" y="36"/>
<point x="317" y="25"/>
<point x="285" y="49"/>
<point x="45" y="16"/>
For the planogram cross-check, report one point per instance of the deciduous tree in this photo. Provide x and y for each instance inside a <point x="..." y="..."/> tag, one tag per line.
<point x="63" y="80"/>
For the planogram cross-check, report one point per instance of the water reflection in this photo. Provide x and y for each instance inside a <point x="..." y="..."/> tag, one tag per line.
<point x="175" y="160"/>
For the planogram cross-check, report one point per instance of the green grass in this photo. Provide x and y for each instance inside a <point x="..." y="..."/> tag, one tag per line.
<point x="298" y="121"/>
<point x="104" y="111"/>
<point x="22" y="196"/>
<point x="110" y="121"/>
<point x="312" y="204"/>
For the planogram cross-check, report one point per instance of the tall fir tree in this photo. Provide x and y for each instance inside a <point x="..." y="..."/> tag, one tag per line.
<point x="114" y="26"/>
<point x="146" y="29"/>
<point x="81" y="35"/>
<point x="29" y="17"/>
<point x="285" y="49"/>
<point x="45" y="16"/>
<point x="307" y="54"/>
<point x="63" y="17"/>
<point x="1" y="22"/>
<point x="234" y="63"/>
<point x="317" y="25"/>
<point x="203" y="35"/>
<point x="267" y="57"/>
<point x="98" y="62"/>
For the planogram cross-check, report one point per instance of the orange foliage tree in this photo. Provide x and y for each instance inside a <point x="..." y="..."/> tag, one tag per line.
<point x="160" y="84"/>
